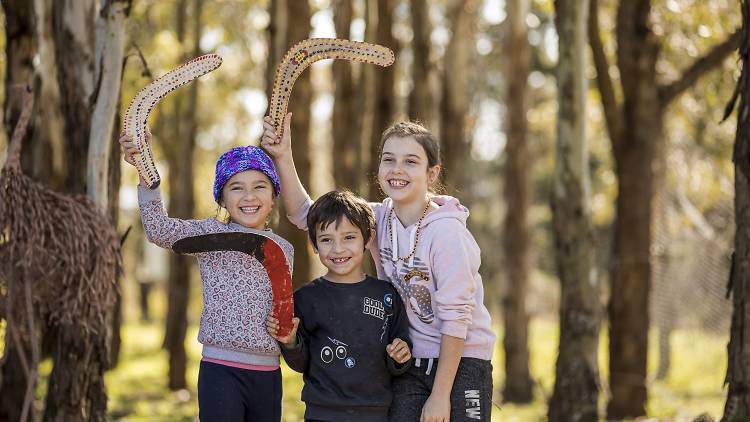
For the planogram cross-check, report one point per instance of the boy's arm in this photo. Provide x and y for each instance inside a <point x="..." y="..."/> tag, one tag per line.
<point x="297" y="356"/>
<point x="399" y="329"/>
<point x="293" y="194"/>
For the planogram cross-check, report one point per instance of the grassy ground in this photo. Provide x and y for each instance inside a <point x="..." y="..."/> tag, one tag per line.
<point x="137" y="387"/>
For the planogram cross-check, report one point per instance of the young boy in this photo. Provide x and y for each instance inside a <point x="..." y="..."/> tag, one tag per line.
<point x="352" y="332"/>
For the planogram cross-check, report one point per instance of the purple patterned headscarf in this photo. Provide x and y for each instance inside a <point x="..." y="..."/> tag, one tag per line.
<point x="240" y="159"/>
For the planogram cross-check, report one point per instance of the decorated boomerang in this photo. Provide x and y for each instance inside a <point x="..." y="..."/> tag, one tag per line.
<point x="266" y="251"/>
<point x="144" y="102"/>
<point x="309" y="51"/>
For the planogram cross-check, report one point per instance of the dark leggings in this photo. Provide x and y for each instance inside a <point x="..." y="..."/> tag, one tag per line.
<point x="233" y="394"/>
<point x="471" y="395"/>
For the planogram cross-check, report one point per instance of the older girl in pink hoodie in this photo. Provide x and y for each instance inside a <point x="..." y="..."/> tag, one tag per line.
<point x="425" y="250"/>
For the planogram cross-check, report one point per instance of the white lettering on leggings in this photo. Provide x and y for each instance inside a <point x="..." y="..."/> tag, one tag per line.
<point x="473" y="406"/>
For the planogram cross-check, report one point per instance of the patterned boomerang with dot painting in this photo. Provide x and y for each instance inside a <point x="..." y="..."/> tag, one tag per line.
<point x="309" y="51"/>
<point x="143" y="104"/>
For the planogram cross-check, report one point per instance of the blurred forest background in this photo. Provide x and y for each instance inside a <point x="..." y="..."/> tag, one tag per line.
<point x="646" y="318"/>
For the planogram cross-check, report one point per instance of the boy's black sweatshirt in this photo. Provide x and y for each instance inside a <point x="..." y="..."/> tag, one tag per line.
<point x="340" y="349"/>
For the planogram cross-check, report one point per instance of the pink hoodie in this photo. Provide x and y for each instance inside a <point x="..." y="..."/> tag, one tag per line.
<point x="443" y="292"/>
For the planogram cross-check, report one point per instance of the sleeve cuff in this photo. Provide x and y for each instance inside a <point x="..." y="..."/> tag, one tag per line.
<point x="454" y="329"/>
<point x="396" y="368"/>
<point x="148" y="195"/>
<point x="297" y="346"/>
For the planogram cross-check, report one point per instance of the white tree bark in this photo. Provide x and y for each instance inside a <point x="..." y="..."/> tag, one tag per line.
<point x="110" y="40"/>
<point x="577" y="375"/>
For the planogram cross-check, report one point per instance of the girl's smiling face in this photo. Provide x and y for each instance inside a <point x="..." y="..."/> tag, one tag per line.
<point x="248" y="198"/>
<point x="404" y="173"/>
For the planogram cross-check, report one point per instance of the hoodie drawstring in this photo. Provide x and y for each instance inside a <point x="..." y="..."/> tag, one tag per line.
<point x="394" y="239"/>
<point x="413" y="236"/>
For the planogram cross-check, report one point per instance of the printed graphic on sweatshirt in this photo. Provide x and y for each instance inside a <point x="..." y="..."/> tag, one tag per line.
<point x="373" y="307"/>
<point x="411" y="282"/>
<point x="338" y="350"/>
<point x="388" y="304"/>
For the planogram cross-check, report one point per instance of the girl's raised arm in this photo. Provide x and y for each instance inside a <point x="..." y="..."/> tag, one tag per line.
<point x="160" y="229"/>
<point x="293" y="194"/>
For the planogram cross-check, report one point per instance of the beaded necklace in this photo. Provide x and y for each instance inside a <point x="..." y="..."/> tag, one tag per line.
<point x="416" y="236"/>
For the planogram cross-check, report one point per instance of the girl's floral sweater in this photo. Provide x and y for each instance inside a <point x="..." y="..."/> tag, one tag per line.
<point x="236" y="288"/>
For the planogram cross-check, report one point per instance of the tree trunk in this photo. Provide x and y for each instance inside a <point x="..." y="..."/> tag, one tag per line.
<point x="76" y="385"/>
<point x="20" y="49"/>
<point x="277" y="43"/>
<point x="516" y="239"/>
<point x="299" y="105"/>
<point x="737" y="407"/>
<point x="420" y="98"/>
<point x="182" y="200"/>
<point x="360" y="136"/>
<point x="285" y="30"/>
<point x="346" y="171"/>
<point x="366" y="108"/>
<point x="454" y="108"/>
<point x="577" y="376"/>
<point x="113" y="206"/>
<point x="176" y="323"/>
<point x="47" y="150"/>
<point x="74" y="36"/>
<point x="663" y="312"/>
<point x="381" y="22"/>
<point x="103" y="176"/>
<point x="76" y="390"/>
<point x="21" y="46"/>
<point x="631" y="270"/>
<point x="110" y="49"/>
<point x="635" y="130"/>
<point x="13" y="381"/>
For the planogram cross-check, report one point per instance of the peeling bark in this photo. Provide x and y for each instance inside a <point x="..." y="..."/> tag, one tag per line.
<point x="577" y="375"/>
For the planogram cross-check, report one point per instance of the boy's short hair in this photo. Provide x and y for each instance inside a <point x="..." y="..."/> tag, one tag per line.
<point x="335" y="205"/>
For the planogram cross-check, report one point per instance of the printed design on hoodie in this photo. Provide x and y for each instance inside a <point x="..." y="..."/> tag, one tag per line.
<point x="414" y="290"/>
<point x="337" y="349"/>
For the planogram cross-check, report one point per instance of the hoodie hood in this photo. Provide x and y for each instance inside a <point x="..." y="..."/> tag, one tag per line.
<point x="450" y="207"/>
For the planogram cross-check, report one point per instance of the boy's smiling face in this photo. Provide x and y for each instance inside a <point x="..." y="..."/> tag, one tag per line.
<point x="341" y="247"/>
